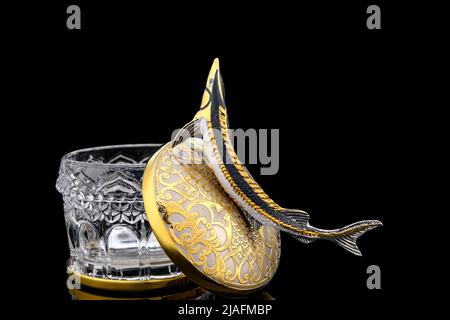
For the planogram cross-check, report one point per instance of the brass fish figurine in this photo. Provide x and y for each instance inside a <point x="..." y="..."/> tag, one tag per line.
<point x="208" y="134"/>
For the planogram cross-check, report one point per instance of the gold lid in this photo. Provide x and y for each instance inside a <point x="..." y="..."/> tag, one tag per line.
<point x="203" y="231"/>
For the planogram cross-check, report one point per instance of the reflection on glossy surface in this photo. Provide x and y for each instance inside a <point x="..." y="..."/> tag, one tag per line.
<point x="187" y="293"/>
<point x="195" y="293"/>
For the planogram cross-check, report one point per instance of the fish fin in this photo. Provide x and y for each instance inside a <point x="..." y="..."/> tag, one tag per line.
<point x="252" y="221"/>
<point x="354" y="231"/>
<point x="303" y="239"/>
<point x="294" y="217"/>
<point x="190" y="130"/>
<point x="190" y="152"/>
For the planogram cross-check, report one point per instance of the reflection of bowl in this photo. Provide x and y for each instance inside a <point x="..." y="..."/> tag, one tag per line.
<point x="187" y="293"/>
<point x="180" y="293"/>
<point x="109" y="235"/>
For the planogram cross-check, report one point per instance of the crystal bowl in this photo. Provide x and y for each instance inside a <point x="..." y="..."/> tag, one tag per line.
<point x="107" y="227"/>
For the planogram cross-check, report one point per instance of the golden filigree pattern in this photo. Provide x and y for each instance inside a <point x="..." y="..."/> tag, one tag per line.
<point x="210" y="229"/>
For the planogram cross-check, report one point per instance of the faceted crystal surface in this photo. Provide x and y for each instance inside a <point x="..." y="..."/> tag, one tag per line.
<point x="107" y="228"/>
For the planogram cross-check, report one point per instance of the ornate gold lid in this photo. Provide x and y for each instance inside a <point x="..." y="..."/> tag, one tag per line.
<point x="202" y="230"/>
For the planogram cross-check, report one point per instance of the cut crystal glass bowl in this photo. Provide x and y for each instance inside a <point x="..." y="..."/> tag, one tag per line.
<point x="107" y="227"/>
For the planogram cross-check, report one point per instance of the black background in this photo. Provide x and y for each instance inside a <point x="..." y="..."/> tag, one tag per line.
<point x="136" y="72"/>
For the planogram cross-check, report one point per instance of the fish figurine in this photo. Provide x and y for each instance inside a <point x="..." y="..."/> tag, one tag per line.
<point x="208" y="134"/>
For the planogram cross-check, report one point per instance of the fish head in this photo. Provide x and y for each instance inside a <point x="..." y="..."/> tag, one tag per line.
<point x="213" y="98"/>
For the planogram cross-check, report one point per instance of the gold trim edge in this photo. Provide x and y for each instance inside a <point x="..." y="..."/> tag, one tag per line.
<point x="131" y="285"/>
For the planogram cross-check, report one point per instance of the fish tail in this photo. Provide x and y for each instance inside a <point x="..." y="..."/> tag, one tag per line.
<point x="346" y="237"/>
